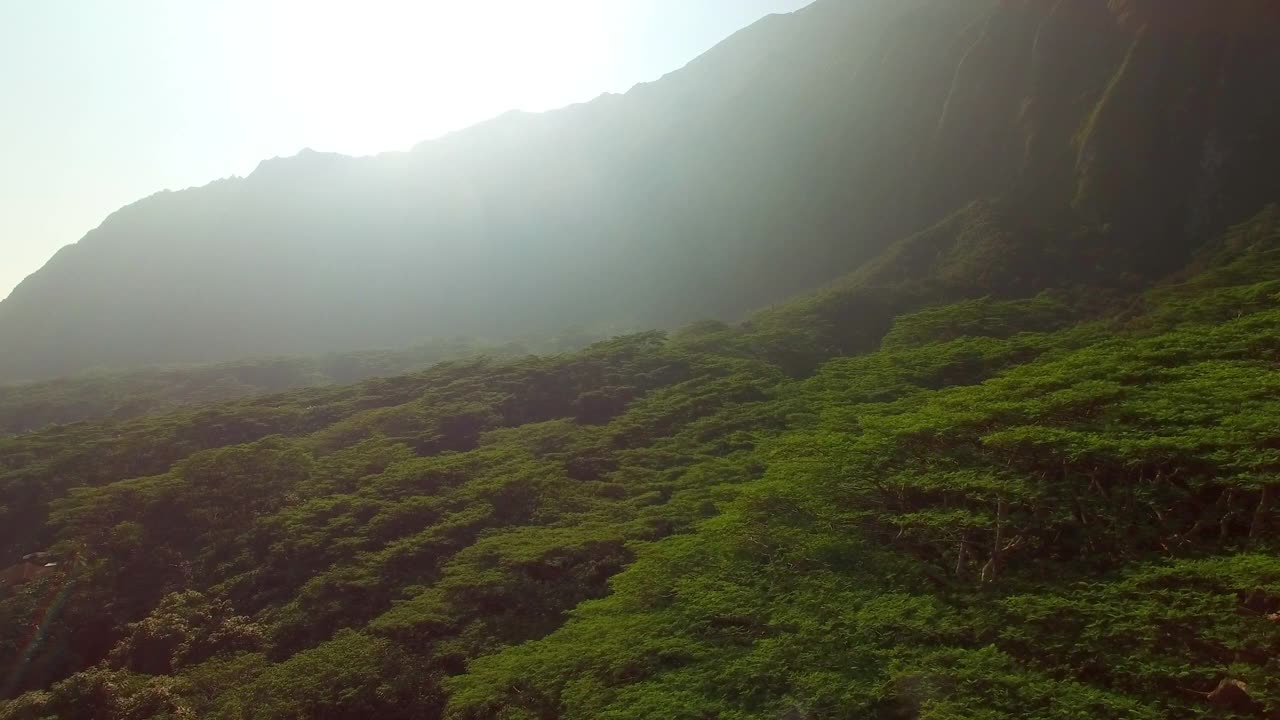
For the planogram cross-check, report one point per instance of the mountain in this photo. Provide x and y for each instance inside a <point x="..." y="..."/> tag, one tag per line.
<point x="793" y="152"/>
<point x="1024" y="508"/>
<point x="1018" y="460"/>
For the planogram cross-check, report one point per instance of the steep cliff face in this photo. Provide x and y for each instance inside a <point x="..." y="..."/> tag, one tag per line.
<point x="1184" y="133"/>
<point x="794" y="152"/>
<point x="1153" y="123"/>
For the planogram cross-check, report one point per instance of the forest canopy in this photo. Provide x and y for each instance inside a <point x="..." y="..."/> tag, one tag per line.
<point x="1012" y="508"/>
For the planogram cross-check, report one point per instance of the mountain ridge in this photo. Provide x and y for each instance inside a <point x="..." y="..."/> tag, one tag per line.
<point x="789" y="154"/>
<point x="1010" y="452"/>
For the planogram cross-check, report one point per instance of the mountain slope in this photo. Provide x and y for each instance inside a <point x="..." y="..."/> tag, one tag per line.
<point x="1019" y="462"/>
<point x="793" y="152"/>
<point x="1011" y="509"/>
<point x="130" y="394"/>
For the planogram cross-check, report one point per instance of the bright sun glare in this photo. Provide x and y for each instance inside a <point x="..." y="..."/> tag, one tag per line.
<point x="369" y="76"/>
<point x="110" y="102"/>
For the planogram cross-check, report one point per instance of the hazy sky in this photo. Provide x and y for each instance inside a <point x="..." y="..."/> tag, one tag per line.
<point x="107" y="101"/>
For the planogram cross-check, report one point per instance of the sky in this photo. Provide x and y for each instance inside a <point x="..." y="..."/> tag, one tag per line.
<point x="108" y="101"/>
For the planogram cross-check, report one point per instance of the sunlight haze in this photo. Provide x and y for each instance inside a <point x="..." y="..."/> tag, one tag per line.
<point x="108" y="102"/>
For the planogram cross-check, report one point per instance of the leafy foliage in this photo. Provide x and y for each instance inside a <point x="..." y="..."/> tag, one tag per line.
<point x="1011" y="508"/>
<point x="133" y="394"/>
<point x="980" y="477"/>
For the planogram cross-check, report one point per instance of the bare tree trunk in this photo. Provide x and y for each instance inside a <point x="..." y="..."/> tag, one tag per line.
<point x="992" y="568"/>
<point x="1224" y="523"/>
<point x="1259" y="524"/>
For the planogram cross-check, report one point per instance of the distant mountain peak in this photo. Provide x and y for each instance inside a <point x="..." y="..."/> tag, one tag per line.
<point x="305" y="159"/>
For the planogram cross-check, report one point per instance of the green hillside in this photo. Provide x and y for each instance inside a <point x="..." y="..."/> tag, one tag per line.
<point x="130" y="394"/>
<point x="1051" y="506"/>
<point x="983" y="424"/>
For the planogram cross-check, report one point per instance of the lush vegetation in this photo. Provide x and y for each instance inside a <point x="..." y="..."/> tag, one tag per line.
<point x="1025" y="507"/>
<point x="996" y="472"/>
<point x="126" y="395"/>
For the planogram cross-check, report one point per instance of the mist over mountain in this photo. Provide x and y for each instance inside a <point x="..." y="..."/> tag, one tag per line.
<point x="985" y="428"/>
<point x="788" y="155"/>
